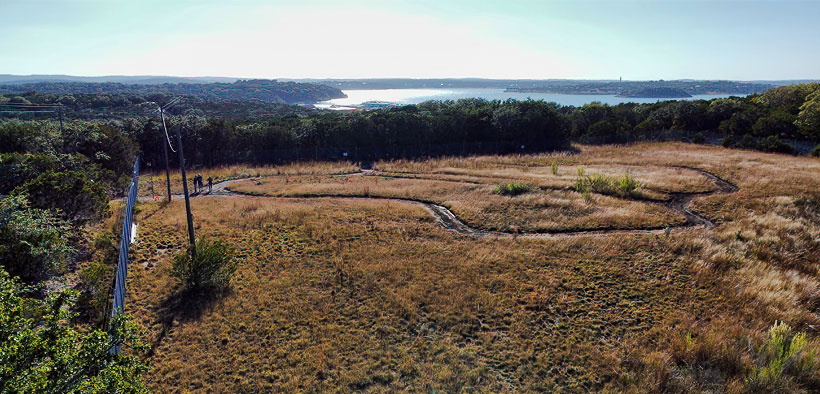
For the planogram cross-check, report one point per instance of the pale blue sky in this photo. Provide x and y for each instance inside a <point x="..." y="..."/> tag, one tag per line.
<point x="742" y="40"/>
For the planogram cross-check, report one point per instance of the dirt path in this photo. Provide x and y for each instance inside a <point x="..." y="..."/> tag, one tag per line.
<point x="678" y="202"/>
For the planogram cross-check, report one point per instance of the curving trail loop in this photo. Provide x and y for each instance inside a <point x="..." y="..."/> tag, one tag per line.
<point x="678" y="202"/>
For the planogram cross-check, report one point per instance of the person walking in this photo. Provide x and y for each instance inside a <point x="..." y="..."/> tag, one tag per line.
<point x="193" y="180"/>
<point x="210" y="184"/>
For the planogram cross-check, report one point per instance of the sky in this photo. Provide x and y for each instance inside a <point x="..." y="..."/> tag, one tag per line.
<point x="635" y="40"/>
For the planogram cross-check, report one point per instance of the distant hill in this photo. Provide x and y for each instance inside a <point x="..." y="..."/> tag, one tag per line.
<point x="659" y="92"/>
<point x="648" y="89"/>
<point x="565" y="86"/>
<point x="269" y="91"/>
<point x="138" y="80"/>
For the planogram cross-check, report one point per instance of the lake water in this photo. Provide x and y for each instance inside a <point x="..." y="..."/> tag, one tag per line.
<point x="415" y="96"/>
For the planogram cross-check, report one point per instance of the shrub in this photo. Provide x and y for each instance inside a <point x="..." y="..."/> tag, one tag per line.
<point x="512" y="189"/>
<point x="212" y="267"/>
<point x="554" y="166"/>
<point x="728" y="141"/>
<point x="773" y="144"/>
<point x="816" y="151"/>
<point x="33" y="243"/>
<point x="782" y="354"/>
<point x="698" y="138"/>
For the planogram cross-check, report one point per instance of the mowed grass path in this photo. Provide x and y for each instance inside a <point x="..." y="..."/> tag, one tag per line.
<point x="336" y="295"/>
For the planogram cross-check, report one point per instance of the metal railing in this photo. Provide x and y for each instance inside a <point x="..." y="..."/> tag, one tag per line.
<point x="125" y="243"/>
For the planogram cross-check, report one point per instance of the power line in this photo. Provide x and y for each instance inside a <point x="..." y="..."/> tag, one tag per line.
<point x="27" y="111"/>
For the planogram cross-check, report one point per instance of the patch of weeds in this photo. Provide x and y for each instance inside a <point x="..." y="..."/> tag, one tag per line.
<point x="554" y="166"/>
<point x="782" y="354"/>
<point x="625" y="186"/>
<point x="512" y="189"/>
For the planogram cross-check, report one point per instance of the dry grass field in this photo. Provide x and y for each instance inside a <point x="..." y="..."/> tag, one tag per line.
<point x="155" y="180"/>
<point x="370" y="293"/>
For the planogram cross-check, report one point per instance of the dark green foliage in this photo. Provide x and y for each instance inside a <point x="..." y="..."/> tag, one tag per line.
<point x="40" y="352"/>
<point x="17" y="136"/>
<point x="73" y="193"/>
<point x="698" y="138"/>
<point x="212" y="267"/>
<point x="728" y="141"/>
<point x="778" y="123"/>
<point x="96" y="280"/>
<point x="815" y="151"/>
<point x="103" y="145"/>
<point x="512" y="189"/>
<point x="33" y="242"/>
<point x="774" y="144"/>
<point x="17" y="168"/>
<point x="808" y="119"/>
<point x="97" y="277"/>
<point x="747" y="141"/>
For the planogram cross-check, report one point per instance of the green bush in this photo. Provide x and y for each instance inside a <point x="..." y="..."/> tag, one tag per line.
<point x="33" y="242"/>
<point x="728" y="141"/>
<point x="698" y="138"/>
<point x="73" y="193"/>
<point x="815" y="151"/>
<point x="43" y="353"/>
<point x="212" y="267"/>
<point x="774" y="144"/>
<point x="512" y="189"/>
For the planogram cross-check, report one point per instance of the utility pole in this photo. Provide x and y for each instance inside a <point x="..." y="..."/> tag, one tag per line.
<point x="60" y="112"/>
<point x="165" y="153"/>
<point x="185" y="190"/>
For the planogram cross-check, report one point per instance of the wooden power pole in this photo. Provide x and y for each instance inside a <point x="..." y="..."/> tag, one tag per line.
<point x="185" y="190"/>
<point x="165" y="152"/>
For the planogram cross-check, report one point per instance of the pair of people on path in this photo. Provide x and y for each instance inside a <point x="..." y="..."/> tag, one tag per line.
<point x="199" y="187"/>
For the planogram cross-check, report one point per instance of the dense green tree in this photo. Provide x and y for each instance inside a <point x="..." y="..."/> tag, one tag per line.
<point x="40" y="351"/>
<point x="71" y="193"/>
<point x="777" y="123"/>
<point x="808" y="119"/>
<point x="33" y="242"/>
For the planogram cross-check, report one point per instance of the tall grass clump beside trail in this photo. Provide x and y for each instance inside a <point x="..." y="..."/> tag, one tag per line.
<point x="212" y="267"/>
<point x="625" y="186"/>
<point x="512" y="189"/>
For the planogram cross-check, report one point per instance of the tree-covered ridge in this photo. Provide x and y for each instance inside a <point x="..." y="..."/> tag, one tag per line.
<point x="269" y="91"/>
<point x="659" y="88"/>
<point x="108" y="106"/>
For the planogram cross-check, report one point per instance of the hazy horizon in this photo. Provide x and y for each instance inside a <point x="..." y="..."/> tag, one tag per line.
<point x="319" y="39"/>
